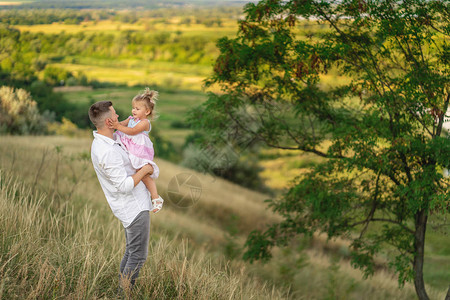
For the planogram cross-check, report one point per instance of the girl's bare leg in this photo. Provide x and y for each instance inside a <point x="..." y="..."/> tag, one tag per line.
<point x="151" y="186"/>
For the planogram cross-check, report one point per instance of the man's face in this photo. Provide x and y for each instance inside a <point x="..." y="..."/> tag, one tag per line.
<point x="111" y="117"/>
<point x="114" y="116"/>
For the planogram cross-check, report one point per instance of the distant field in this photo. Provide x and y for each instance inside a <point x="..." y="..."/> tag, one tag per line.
<point x="86" y="27"/>
<point x="171" y="77"/>
<point x="228" y="27"/>
<point x="19" y="2"/>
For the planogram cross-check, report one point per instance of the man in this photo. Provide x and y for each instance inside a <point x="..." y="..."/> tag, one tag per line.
<point x="127" y="196"/>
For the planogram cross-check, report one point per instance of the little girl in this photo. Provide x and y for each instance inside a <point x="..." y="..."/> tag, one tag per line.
<point x="133" y="134"/>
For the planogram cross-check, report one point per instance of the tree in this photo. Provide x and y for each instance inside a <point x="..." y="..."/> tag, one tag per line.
<point x="381" y="132"/>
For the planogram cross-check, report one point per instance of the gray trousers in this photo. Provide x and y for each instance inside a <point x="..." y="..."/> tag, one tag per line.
<point x="136" y="251"/>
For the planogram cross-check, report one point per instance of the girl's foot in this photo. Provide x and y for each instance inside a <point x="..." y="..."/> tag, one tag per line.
<point x="157" y="204"/>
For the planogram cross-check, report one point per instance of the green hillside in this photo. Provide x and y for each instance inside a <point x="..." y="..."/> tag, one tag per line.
<point x="65" y="242"/>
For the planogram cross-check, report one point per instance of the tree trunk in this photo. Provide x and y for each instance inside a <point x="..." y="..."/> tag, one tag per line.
<point x="448" y="294"/>
<point x="419" y="246"/>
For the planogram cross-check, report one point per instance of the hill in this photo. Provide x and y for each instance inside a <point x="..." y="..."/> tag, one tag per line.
<point x="66" y="243"/>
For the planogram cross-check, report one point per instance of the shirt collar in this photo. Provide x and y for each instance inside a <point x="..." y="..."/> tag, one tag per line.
<point x="104" y="138"/>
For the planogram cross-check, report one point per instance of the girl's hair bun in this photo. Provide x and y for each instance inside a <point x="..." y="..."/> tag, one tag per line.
<point x="151" y="95"/>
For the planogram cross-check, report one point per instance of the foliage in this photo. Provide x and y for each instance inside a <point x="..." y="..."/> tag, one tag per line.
<point x="134" y="5"/>
<point x="65" y="128"/>
<point x="25" y="53"/>
<point x="381" y="133"/>
<point x="49" y="16"/>
<point x="33" y="16"/>
<point x="226" y="163"/>
<point x="19" y="113"/>
<point x="53" y="103"/>
<point x="27" y="59"/>
<point x="163" y="147"/>
<point x="56" y="76"/>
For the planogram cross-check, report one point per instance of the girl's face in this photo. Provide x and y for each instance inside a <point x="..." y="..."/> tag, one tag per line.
<point x="139" y="110"/>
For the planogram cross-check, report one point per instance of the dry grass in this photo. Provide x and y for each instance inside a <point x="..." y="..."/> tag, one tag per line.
<point x="66" y="243"/>
<point x="57" y="251"/>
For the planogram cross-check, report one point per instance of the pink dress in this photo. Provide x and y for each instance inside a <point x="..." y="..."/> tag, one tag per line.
<point x="139" y="147"/>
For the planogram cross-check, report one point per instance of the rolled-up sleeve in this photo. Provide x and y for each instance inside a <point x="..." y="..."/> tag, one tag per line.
<point x="116" y="173"/>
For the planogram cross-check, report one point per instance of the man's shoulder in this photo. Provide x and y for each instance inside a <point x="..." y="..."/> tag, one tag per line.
<point x="100" y="148"/>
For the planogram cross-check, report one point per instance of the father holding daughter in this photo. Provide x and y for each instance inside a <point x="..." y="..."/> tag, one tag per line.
<point x="125" y="192"/>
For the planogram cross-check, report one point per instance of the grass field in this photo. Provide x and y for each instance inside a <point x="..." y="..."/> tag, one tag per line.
<point x="107" y="26"/>
<point x="7" y="3"/>
<point x="145" y="74"/>
<point x="66" y="243"/>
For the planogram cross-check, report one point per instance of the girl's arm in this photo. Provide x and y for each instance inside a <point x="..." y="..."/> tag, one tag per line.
<point x="125" y="122"/>
<point x="140" y="127"/>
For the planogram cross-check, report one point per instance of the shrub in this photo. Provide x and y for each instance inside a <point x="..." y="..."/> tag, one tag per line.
<point x="19" y="113"/>
<point x="56" y="76"/>
<point x="179" y="124"/>
<point x="66" y="127"/>
<point x="240" y="168"/>
<point x="71" y="81"/>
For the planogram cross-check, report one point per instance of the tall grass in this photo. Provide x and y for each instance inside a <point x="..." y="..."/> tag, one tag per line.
<point x="53" y="253"/>
<point x="59" y="238"/>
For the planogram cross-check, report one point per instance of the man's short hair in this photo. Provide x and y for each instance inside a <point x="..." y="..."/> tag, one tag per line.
<point x="98" y="112"/>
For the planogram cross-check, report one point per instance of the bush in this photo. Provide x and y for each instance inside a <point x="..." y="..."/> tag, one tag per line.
<point x="240" y="168"/>
<point x="66" y="127"/>
<point x="19" y="113"/>
<point x="179" y="124"/>
<point x="48" y="101"/>
<point x="71" y="81"/>
<point x="163" y="148"/>
<point x="56" y="76"/>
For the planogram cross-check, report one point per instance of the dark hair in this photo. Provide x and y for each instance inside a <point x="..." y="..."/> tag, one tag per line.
<point x="97" y="112"/>
<point x="149" y="98"/>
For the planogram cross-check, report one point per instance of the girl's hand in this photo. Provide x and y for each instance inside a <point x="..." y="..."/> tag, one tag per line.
<point x="115" y="124"/>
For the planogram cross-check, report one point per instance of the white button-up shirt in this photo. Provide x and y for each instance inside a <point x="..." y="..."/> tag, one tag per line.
<point x="114" y="171"/>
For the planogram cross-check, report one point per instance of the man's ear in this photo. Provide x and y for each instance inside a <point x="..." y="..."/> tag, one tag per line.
<point x="108" y="122"/>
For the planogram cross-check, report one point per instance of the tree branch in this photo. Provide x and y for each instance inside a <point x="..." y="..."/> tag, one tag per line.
<point x="442" y="117"/>
<point x="383" y="220"/>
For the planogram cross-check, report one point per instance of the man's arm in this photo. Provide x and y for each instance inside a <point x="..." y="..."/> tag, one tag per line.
<point x="115" y="171"/>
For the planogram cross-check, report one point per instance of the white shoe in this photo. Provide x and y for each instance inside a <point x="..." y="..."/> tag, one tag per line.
<point x="157" y="204"/>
